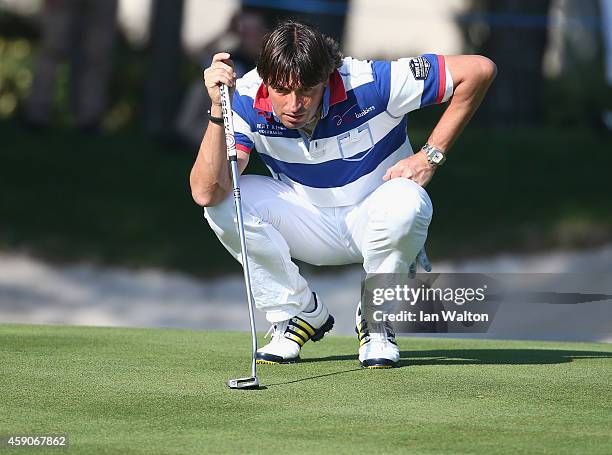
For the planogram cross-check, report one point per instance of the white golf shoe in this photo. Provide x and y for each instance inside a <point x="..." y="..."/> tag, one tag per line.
<point x="289" y="336"/>
<point x="377" y="346"/>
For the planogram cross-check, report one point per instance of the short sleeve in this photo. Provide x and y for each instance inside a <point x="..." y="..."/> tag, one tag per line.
<point x="413" y="83"/>
<point x="242" y="109"/>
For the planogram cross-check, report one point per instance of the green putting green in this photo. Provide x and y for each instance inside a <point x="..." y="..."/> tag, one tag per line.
<point x="155" y="391"/>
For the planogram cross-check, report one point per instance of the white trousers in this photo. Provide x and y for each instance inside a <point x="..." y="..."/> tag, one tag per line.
<point x="384" y="232"/>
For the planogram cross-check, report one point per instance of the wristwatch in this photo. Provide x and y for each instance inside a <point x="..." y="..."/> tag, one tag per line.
<point x="435" y="156"/>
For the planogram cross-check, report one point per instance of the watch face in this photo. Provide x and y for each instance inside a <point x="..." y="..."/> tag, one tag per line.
<point x="437" y="157"/>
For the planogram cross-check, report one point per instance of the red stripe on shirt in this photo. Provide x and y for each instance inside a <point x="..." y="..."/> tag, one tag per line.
<point x="442" y="79"/>
<point x="243" y="148"/>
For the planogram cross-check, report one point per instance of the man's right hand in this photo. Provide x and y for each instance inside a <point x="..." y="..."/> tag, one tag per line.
<point x="220" y="71"/>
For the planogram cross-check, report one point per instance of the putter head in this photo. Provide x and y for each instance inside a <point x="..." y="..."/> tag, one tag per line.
<point x="243" y="383"/>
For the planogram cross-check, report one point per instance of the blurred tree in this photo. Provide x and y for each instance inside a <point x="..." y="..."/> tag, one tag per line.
<point x="162" y="86"/>
<point x="15" y="73"/>
<point x="329" y="16"/>
<point x="82" y="33"/>
<point x="514" y="34"/>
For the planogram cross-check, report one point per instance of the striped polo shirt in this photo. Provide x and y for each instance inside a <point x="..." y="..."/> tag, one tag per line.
<point x="361" y="133"/>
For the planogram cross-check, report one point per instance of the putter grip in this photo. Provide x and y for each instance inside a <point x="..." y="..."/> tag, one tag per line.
<point x="226" y="107"/>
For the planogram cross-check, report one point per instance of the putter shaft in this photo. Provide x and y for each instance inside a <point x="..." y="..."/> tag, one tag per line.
<point x="232" y="156"/>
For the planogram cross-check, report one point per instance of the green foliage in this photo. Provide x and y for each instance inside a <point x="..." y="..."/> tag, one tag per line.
<point x="15" y="73"/>
<point x="578" y="98"/>
<point x="124" y="199"/>
<point x="126" y="87"/>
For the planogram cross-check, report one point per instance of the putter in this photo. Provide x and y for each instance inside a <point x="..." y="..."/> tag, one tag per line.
<point x="250" y="382"/>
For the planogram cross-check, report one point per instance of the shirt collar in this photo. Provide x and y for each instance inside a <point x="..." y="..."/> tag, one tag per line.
<point x="262" y="99"/>
<point x="334" y="93"/>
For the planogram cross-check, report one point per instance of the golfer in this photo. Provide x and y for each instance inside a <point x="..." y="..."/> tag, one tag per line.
<point x="346" y="186"/>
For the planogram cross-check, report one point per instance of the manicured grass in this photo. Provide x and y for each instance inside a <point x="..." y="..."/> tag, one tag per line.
<point x="154" y="391"/>
<point x="124" y="199"/>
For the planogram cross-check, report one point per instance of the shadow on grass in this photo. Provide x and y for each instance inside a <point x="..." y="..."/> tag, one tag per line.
<point x="463" y="357"/>
<point x="313" y="377"/>
<point x="482" y="357"/>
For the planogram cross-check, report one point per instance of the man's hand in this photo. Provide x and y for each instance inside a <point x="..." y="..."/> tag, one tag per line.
<point x="415" y="167"/>
<point x="220" y="71"/>
<point x="421" y="260"/>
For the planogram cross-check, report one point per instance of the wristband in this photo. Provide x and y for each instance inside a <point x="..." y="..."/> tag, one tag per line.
<point x="215" y="120"/>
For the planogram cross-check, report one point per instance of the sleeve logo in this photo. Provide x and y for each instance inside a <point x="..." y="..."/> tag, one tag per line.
<point x="420" y="68"/>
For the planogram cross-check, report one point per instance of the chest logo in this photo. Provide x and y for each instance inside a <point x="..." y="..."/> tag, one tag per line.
<point x="366" y="111"/>
<point x="345" y="117"/>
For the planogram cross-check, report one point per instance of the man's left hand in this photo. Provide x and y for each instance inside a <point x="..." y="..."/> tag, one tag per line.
<point x="415" y="167"/>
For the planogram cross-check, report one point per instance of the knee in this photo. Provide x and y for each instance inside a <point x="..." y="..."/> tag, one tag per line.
<point x="222" y="217"/>
<point x="403" y="208"/>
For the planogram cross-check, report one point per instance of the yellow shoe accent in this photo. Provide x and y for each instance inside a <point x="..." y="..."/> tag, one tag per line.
<point x="266" y="362"/>
<point x="303" y="325"/>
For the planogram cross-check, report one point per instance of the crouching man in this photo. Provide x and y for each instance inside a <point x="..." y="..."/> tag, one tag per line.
<point x="346" y="186"/>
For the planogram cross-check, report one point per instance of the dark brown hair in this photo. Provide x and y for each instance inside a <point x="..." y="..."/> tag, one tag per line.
<point x="296" y="55"/>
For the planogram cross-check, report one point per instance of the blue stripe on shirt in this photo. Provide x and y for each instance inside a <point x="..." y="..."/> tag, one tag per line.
<point x="381" y="71"/>
<point x="243" y="106"/>
<point x="337" y="173"/>
<point x="243" y="139"/>
<point x="430" y="91"/>
<point x="342" y="117"/>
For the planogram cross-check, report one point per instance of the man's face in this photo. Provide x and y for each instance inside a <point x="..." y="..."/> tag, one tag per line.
<point x="298" y="107"/>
